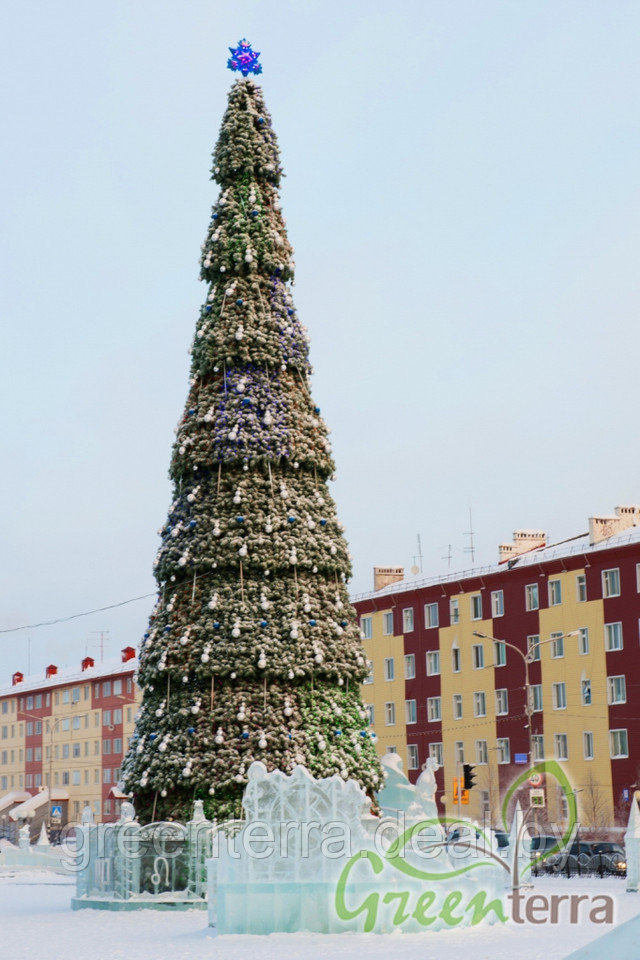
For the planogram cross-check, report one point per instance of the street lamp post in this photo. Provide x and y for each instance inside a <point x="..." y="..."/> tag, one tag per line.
<point x="527" y="658"/>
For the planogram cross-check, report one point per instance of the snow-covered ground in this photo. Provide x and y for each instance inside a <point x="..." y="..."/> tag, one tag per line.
<point x="36" y="921"/>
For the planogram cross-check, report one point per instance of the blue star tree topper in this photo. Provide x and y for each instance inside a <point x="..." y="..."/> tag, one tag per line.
<point x="244" y="59"/>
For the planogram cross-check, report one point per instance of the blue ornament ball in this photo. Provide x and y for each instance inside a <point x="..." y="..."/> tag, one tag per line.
<point x="216" y="625"/>
<point x="263" y="623"/>
<point x="239" y="301"/>
<point x="312" y="623"/>
<point x="240" y="519"/>
<point x="291" y="519"/>
<point x="153" y="736"/>
<point x="191" y="729"/>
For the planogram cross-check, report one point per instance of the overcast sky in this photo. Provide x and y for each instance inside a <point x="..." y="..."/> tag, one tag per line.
<point x="462" y="195"/>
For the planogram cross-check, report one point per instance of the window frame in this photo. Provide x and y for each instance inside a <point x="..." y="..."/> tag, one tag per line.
<point x="431" y="616"/>
<point x="407" y="620"/>
<point x="554" y="589"/>
<point x="611" y="586"/>
<point x="475" y="606"/>
<point x="503" y="750"/>
<point x="432" y="658"/>
<point x="531" y="597"/>
<point x="497" y="604"/>
<point x="608" y="633"/>
<point x="611" y="688"/>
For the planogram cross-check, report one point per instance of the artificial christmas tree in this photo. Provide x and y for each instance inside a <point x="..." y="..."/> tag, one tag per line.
<point x="253" y="651"/>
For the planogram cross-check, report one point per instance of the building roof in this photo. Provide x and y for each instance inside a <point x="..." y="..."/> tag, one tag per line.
<point x="576" y="546"/>
<point x="12" y="798"/>
<point x="68" y="675"/>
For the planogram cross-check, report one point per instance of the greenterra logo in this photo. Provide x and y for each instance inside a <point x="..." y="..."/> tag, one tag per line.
<point x="443" y="897"/>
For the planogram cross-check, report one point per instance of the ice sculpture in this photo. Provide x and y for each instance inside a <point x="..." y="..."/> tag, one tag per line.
<point x="307" y="859"/>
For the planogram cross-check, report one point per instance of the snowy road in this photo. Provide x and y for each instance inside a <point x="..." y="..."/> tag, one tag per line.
<point x="36" y="921"/>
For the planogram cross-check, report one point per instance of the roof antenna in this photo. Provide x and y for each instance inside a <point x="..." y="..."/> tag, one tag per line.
<point x="447" y="556"/>
<point x="417" y="566"/>
<point x="469" y="533"/>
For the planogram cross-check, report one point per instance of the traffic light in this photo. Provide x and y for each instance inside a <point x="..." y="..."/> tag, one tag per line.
<point x="468" y="776"/>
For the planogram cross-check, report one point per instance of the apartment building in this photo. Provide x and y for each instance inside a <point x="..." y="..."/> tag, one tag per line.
<point x="537" y="657"/>
<point x="62" y="739"/>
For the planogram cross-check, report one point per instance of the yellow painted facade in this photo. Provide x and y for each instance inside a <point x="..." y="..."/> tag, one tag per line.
<point x="591" y="777"/>
<point x="379" y="649"/>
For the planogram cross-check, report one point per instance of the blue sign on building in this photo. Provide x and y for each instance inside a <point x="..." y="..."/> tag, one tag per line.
<point x="521" y="758"/>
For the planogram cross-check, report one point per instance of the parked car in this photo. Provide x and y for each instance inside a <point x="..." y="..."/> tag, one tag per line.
<point x="608" y="858"/>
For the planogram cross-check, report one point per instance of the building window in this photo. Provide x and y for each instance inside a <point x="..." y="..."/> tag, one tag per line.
<point x="613" y="636"/>
<point x="117" y="746"/>
<point x="561" y="746"/>
<point x="106" y="747"/>
<point x="611" y="583"/>
<point x="457" y="706"/>
<point x="436" y="753"/>
<point x="407" y="620"/>
<point x="537" y="746"/>
<point x="502" y="702"/>
<point x="366" y="630"/>
<point x="389" y="668"/>
<point x="459" y="751"/>
<point x="583" y="640"/>
<point x="117" y="687"/>
<point x="409" y="666"/>
<point x="29" y="755"/>
<point x="107" y="807"/>
<point x="454" y="610"/>
<point x="29" y="703"/>
<point x="476" y="606"/>
<point x="586" y="693"/>
<point x="431" y="615"/>
<point x="392" y="749"/>
<point x="479" y="704"/>
<point x="29" y="729"/>
<point x="372" y="713"/>
<point x="557" y="645"/>
<point x="455" y="659"/>
<point x="482" y="752"/>
<point x="536" y="697"/>
<point x="616" y="689"/>
<point x="75" y="695"/>
<point x="531" y="596"/>
<point x="65" y="751"/>
<point x="75" y="723"/>
<point x="533" y="647"/>
<point x="433" y="663"/>
<point x="75" y="780"/>
<point x="106" y="688"/>
<point x="117" y="715"/>
<point x="618" y="744"/>
<point x="581" y="588"/>
<point x="367" y="679"/>
<point x="76" y="749"/>
<point x="106" y="718"/>
<point x="387" y="624"/>
<point x="434" y="709"/>
<point x="412" y="754"/>
<point x="478" y="656"/>
<point x="555" y="593"/>
<point x="497" y="603"/>
<point x="410" y="711"/>
<point x="559" y="696"/>
<point x="503" y="750"/>
<point x="390" y="714"/>
<point x="587" y="745"/>
<point x="499" y="653"/>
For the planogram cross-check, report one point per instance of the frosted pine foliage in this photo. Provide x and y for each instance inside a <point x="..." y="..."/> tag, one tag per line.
<point x="252" y="651"/>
